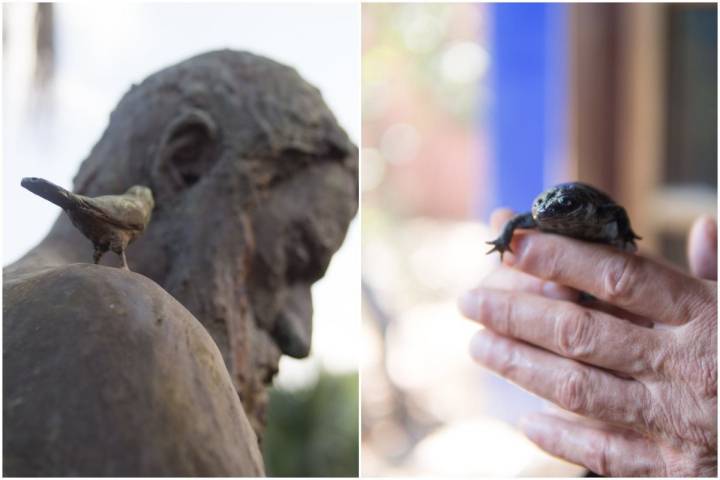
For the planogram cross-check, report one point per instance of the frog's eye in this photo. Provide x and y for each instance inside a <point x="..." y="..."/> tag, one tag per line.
<point x="566" y="202"/>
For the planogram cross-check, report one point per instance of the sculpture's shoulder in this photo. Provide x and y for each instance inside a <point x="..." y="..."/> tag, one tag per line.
<point x="77" y="299"/>
<point x="105" y="373"/>
<point x="80" y="286"/>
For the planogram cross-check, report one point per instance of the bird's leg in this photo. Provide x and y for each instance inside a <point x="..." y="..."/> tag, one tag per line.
<point x="97" y="254"/>
<point x="502" y="243"/>
<point x="124" y="259"/>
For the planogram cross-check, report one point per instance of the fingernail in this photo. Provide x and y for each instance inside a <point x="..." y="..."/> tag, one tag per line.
<point x="479" y="346"/>
<point x="469" y="305"/>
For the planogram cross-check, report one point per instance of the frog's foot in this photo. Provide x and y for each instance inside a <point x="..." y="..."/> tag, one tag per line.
<point x="499" y="245"/>
<point x="628" y="245"/>
<point x="502" y="243"/>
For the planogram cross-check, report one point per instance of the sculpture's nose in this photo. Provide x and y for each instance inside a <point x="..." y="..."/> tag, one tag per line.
<point x="293" y="326"/>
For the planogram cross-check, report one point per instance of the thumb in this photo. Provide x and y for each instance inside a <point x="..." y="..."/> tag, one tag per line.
<point x="702" y="248"/>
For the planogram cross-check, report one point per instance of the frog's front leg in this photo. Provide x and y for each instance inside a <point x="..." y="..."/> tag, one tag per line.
<point x="502" y="243"/>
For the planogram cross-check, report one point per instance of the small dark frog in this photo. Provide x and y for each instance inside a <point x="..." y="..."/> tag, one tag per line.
<point x="575" y="210"/>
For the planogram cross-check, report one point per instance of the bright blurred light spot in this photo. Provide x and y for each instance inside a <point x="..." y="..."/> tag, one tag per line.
<point x="420" y="30"/>
<point x="381" y="267"/>
<point x="400" y="143"/>
<point x="461" y="102"/>
<point x="336" y="302"/>
<point x="464" y="62"/>
<point x="389" y="437"/>
<point x="453" y="258"/>
<point x="426" y="340"/>
<point x="376" y="99"/>
<point x="296" y="374"/>
<point x="371" y="347"/>
<point x="373" y="169"/>
<point x="376" y="62"/>
<point x="483" y="447"/>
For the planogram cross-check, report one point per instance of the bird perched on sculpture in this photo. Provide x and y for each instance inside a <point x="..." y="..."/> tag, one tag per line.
<point x="110" y="222"/>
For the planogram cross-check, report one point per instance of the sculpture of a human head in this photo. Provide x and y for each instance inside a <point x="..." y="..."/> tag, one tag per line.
<point x="255" y="185"/>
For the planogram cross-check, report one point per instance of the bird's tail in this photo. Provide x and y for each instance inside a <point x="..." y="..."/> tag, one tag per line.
<point x="49" y="191"/>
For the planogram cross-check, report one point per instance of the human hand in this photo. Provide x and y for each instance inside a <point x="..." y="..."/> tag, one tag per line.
<point x="646" y="397"/>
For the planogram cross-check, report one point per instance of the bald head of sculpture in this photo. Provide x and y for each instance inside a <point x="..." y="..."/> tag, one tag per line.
<point x="255" y="185"/>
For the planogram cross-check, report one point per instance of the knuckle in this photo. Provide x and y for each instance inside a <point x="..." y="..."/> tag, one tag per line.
<point x="644" y="413"/>
<point x="646" y="355"/>
<point x="552" y="264"/>
<point x="619" y="278"/>
<point x="571" y="393"/>
<point x="506" y="320"/>
<point x="537" y="256"/>
<point x="496" y="313"/>
<point x="507" y="361"/>
<point x="484" y="309"/>
<point x="573" y="334"/>
<point x="600" y="458"/>
<point x="659" y="361"/>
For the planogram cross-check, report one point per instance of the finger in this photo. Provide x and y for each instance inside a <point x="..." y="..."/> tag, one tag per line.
<point x="504" y="278"/>
<point x="631" y="282"/>
<point x="571" y="385"/>
<point x="567" y="329"/>
<point x="499" y="218"/>
<point x="618" y="312"/>
<point x="555" y="411"/>
<point x="702" y="248"/>
<point x="606" y="451"/>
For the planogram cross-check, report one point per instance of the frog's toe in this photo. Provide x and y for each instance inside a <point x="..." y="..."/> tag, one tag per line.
<point x="499" y="246"/>
<point x="629" y="246"/>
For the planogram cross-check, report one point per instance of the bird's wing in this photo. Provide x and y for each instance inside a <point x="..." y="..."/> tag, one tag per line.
<point x="116" y="210"/>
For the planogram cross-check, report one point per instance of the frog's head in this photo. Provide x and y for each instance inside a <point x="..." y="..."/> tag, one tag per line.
<point x="560" y="203"/>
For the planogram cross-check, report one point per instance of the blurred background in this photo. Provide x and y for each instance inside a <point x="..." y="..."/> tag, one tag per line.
<point x="65" y="66"/>
<point x="467" y="107"/>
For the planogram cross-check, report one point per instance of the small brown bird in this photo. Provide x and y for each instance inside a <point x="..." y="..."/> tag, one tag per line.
<point x="110" y="222"/>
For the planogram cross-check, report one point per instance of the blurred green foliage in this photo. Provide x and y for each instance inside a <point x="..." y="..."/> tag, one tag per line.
<point x="313" y="432"/>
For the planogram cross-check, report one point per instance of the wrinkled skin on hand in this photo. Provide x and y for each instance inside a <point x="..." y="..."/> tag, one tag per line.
<point x="637" y="367"/>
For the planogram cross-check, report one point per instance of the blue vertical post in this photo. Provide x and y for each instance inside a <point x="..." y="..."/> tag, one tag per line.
<point x="529" y="104"/>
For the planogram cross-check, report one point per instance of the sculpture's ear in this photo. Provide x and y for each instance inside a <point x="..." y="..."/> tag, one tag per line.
<point x="187" y="151"/>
